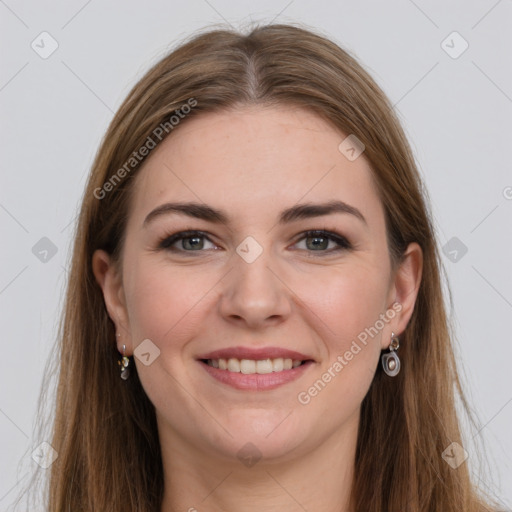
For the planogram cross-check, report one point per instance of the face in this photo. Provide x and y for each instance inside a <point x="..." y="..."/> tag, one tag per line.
<point x="254" y="290"/>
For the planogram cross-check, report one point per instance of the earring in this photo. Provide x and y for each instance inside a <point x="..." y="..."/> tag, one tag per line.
<point x="391" y="361"/>
<point x="124" y="362"/>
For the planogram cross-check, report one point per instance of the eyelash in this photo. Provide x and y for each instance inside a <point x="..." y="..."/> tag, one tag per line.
<point x="343" y="244"/>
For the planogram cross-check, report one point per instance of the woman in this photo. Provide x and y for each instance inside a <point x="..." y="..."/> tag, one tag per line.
<point x="254" y="318"/>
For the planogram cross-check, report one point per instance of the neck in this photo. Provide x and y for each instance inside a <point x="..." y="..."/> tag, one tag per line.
<point x="318" y="480"/>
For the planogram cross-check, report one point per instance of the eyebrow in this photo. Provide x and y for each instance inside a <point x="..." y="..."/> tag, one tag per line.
<point x="294" y="213"/>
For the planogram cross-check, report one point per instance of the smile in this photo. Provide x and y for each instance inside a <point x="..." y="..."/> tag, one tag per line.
<point x="254" y="369"/>
<point x="251" y="366"/>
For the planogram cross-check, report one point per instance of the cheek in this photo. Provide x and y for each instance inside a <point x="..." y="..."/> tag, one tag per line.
<point x="164" y="302"/>
<point x="350" y="305"/>
<point x="347" y="303"/>
<point x="152" y="306"/>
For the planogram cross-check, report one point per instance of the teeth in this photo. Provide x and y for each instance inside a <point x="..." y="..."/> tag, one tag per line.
<point x="234" y="365"/>
<point x="278" y="364"/>
<point x="250" y="366"/>
<point x="247" y="366"/>
<point x="264" y="366"/>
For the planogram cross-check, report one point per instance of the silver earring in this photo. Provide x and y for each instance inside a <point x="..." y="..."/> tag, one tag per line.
<point x="124" y="363"/>
<point x="391" y="361"/>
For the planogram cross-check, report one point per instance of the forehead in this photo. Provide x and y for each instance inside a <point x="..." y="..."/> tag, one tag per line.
<point x="252" y="162"/>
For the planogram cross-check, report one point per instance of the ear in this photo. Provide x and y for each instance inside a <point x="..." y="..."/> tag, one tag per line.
<point x="110" y="281"/>
<point x="404" y="288"/>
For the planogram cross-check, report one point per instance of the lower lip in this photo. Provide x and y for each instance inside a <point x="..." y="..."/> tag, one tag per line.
<point x="256" y="381"/>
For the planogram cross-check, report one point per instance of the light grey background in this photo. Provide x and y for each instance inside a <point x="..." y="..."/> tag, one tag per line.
<point x="456" y="112"/>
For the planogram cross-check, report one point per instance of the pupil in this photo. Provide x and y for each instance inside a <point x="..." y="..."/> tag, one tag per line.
<point x="319" y="242"/>
<point x="197" y="239"/>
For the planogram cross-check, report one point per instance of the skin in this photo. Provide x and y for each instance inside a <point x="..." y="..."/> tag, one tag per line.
<point x="252" y="163"/>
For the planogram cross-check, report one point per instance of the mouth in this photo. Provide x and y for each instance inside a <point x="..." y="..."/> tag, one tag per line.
<point x="255" y="369"/>
<point x="252" y="366"/>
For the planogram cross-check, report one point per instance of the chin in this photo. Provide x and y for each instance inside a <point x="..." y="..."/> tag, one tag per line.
<point x="271" y="436"/>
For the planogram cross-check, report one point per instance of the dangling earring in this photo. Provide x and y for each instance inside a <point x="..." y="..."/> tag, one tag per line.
<point x="124" y="363"/>
<point x="391" y="361"/>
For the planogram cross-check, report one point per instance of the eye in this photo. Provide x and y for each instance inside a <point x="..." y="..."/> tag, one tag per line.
<point x="318" y="241"/>
<point x="194" y="241"/>
<point x="191" y="241"/>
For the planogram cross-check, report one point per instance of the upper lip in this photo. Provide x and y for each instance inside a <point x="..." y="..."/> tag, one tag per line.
<point x="256" y="354"/>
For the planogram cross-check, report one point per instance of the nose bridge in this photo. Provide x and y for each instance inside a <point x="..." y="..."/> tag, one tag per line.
<point x="251" y="290"/>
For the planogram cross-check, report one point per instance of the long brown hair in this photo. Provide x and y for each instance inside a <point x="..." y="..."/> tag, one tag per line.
<point x="105" y="431"/>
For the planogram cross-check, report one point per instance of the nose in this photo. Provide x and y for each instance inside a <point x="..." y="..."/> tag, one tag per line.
<point x="254" y="294"/>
